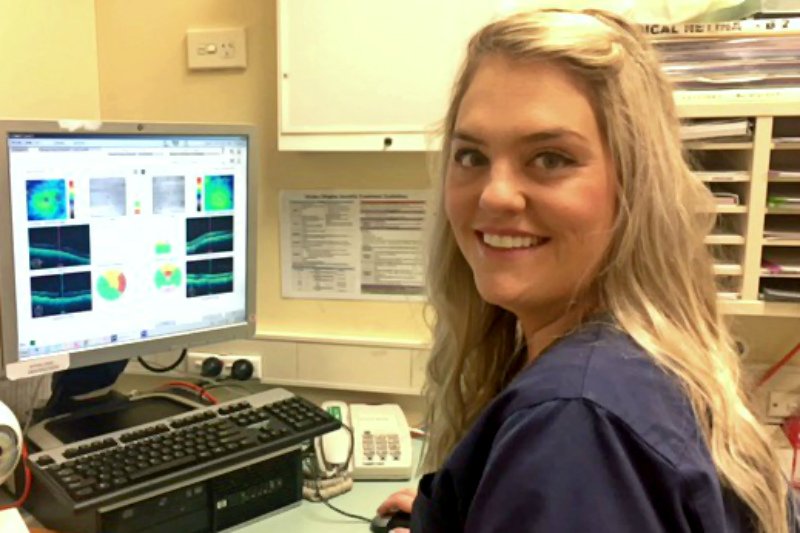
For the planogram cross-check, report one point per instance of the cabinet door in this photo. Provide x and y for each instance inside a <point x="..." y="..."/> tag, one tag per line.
<point x="365" y="69"/>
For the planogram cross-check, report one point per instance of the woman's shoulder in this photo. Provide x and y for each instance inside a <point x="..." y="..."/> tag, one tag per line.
<point x="605" y="368"/>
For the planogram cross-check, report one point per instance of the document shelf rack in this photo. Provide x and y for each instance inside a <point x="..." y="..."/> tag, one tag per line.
<point x="756" y="180"/>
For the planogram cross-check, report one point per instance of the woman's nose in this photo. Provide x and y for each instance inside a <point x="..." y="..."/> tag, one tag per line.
<point x="502" y="190"/>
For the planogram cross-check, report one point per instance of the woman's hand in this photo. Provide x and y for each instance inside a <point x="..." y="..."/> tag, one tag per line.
<point x="401" y="500"/>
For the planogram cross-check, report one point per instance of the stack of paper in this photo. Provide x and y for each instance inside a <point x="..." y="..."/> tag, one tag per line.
<point x="730" y="55"/>
<point x="726" y="198"/>
<point x="786" y="174"/>
<point x="778" y="267"/>
<point x="783" y="201"/>
<point x="723" y="175"/>
<point x="781" y="228"/>
<point x="781" y="235"/>
<point x="773" y="294"/>
<point x="715" y="129"/>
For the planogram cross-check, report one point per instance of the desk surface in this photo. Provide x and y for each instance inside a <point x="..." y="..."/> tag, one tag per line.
<point x="311" y="517"/>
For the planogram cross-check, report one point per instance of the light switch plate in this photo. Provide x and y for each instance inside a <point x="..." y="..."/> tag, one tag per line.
<point x="218" y="48"/>
<point x="783" y="404"/>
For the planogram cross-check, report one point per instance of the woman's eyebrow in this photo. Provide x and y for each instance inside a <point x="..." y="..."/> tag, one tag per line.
<point x="463" y="136"/>
<point x="552" y="134"/>
<point x="539" y="136"/>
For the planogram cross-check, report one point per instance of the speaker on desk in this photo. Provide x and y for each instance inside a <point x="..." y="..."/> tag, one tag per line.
<point x="10" y="442"/>
<point x="10" y="453"/>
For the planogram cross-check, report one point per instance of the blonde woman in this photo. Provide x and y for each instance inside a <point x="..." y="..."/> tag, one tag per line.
<point x="581" y="378"/>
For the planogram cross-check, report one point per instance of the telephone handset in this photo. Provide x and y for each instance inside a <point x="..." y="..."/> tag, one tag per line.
<point x="334" y="448"/>
<point x="380" y="442"/>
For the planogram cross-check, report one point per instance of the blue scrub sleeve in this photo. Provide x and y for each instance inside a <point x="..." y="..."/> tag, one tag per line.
<point x="569" y="466"/>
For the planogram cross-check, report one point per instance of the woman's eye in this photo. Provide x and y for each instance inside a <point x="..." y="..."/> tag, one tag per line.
<point x="468" y="157"/>
<point x="552" y="161"/>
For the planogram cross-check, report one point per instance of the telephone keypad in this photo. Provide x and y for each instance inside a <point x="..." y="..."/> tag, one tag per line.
<point x="380" y="445"/>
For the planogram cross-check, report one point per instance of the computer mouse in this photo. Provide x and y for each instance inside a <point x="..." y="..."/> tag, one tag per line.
<point x="384" y="524"/>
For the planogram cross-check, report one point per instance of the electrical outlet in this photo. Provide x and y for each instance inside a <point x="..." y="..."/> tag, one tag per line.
<point x="783" y="404"/>
<point x="196" y="362"/>
<point x="210" y="49"/>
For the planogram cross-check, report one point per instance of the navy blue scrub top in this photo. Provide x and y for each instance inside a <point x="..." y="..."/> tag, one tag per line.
<point x="591" y="437"/>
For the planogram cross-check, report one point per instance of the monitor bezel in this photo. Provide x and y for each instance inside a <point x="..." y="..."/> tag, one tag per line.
<point x="8" y="302"/>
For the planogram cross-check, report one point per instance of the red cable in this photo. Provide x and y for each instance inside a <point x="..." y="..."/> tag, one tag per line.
<point x="28" y="482"/>
<point x="777" y="366"/>
<point x="197" y="388"/>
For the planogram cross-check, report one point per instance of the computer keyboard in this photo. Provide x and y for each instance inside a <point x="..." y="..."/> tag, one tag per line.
<point x="107" y="472"/>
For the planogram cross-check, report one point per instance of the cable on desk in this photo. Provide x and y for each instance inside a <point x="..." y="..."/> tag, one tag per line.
<point x="227" y="382"/>
<point x="193" y="387"/>
<point x="162" y="369"/>
<point x="345" y="513"/>
<point x="317" y="478"/>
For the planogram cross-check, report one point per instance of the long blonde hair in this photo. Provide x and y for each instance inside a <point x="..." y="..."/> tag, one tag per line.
<point x="656" y="279"/>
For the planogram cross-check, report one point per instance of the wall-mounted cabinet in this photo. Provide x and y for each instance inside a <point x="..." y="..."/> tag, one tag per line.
<point x="363" y="75"/>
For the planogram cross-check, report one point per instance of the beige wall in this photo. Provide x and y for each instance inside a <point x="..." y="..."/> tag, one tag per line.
<point x="143" y="76"/>
<point x="49" y="65"/>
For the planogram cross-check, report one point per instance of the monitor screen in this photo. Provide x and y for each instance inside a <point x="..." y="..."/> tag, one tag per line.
<point x="125" y="240"/>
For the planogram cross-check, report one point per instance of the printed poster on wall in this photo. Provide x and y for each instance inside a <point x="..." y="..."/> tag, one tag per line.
<point x="353" y="245"/>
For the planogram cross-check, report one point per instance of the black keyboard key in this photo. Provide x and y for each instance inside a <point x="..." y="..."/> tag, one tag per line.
<point x="303" y="423"/>
<point x="45" y="460"/>
<point x="232" y="408"/>
<point x="83" y="494"/>
<point x="231" y="437"/>
<point x="77" y="485"/>
<point x="71" y="452"/>
<point x="66" y="480"/>
<point x="138" y="434"/>
<point x="163" y="468"/>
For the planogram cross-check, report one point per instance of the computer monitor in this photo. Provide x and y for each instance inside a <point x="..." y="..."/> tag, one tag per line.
<point x="123" y="239"/>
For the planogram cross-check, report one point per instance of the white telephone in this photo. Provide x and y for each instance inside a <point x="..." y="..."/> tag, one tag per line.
<point x="381" y="442"/>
